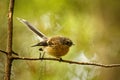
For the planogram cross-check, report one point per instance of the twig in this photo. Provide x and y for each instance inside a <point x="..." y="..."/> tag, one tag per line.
<point x="9" y="60"/>
<point x="68" y="61"/>
<point x="10" y="27"/>
<point x="3" y="52"/>
<point x="7" y="53"/>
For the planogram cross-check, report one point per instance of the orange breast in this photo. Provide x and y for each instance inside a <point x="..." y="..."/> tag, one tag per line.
<point x="57" y="50"/>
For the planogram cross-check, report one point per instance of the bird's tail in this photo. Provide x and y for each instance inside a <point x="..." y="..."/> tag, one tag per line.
<point x="31" y="27"/>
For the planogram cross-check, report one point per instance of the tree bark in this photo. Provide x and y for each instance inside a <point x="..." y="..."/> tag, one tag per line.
<point x="9" y="59"/>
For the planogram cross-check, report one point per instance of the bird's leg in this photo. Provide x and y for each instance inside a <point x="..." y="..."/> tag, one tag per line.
<point x="40" y="55"/>
<point x="43" y="55"/>
<point x="41" y="50"/>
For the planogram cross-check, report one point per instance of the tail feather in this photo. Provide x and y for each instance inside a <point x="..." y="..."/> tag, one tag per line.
<point x="31" y="27"/>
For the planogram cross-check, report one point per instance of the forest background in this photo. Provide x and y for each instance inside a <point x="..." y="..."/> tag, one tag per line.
<point x="93" y="25"/>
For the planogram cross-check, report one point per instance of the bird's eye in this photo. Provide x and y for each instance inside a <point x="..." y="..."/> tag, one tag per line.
<point x="69" y="43"/>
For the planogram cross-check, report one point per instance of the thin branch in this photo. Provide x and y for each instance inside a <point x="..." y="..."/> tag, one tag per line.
<point x="7" y="53"/>
<point x="3" y="52"/>
<point x="10" y="27"/>
<point x="68" y="61"/>
<point x="9" y="60"/>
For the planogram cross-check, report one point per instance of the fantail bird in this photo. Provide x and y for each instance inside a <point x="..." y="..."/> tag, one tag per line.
<point x="56" y="46"/>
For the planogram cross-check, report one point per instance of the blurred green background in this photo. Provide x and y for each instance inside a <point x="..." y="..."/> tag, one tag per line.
<point x="93" y="25"/>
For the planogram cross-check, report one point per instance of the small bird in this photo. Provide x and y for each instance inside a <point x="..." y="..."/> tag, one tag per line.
<point x="56" y="46"/>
